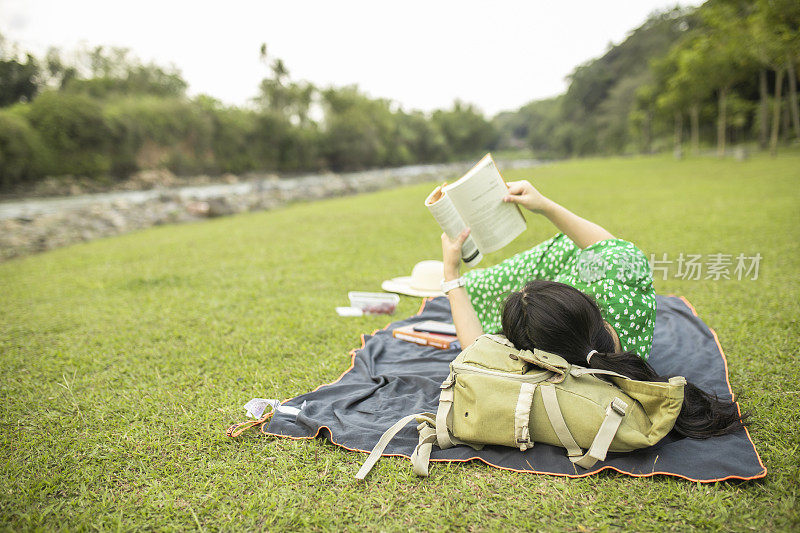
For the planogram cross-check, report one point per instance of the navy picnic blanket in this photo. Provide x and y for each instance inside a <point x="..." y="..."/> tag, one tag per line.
<point x="390" y="378"/>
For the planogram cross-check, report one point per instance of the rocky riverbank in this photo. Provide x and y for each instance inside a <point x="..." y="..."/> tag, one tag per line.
<point x="36" y="225"/>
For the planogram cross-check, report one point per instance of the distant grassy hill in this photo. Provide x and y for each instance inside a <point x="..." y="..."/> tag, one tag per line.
<point x="125" y="359"/>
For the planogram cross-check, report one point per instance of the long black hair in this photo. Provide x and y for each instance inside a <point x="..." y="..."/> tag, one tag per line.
<point x="560" y="319"/>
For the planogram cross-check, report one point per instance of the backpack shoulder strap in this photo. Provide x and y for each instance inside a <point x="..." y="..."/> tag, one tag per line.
<point x="444" y="414"/>
<point x="422" y="452"/>
<point x="444" y="418"/>
<point x="602" y="440"/>
<point x="550" y="401"/>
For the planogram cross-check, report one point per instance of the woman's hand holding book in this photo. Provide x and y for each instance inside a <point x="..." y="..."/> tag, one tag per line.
<point x="526" y="195"/>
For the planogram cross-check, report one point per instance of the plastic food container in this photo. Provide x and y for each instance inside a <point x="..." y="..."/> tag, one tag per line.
<point x="374" y="303"/>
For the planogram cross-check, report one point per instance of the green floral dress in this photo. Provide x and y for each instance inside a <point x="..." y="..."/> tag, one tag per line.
<point x="615" y="272"/>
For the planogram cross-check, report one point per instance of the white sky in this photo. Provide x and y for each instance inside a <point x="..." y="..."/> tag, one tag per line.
<point x="422" y="54"/>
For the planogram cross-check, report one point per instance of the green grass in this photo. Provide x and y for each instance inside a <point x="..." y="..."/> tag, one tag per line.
<point x="124" y="360"/>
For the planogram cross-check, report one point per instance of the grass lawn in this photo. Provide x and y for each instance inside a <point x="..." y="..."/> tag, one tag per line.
<point x="124" y="360"/>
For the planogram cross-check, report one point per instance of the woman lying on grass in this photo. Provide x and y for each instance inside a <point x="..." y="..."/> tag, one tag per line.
<point x="584" y="295"/>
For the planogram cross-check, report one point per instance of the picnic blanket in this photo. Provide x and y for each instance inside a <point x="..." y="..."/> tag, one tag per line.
<point x="390" y="378"/>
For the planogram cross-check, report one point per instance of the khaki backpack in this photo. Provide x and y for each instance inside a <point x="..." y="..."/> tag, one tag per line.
<point x="497" y="394"/>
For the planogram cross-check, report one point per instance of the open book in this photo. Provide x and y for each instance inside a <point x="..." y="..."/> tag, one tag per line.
<point x="475" y="201"/>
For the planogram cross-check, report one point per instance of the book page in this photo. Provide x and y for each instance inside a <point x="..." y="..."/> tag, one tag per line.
<point x="452" y="224"/>
<point x="478" y="197"/>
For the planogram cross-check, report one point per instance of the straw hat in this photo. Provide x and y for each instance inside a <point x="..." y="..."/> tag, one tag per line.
<point x="425" y="280"/>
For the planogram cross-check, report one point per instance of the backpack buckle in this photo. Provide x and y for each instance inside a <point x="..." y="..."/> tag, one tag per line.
<point x="619" y="407"/>
<point x="524" y="443"/>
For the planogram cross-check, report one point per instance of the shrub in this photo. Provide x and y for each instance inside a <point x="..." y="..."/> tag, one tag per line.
<point x="23" y="156"/>
<point x="73" y="127"/>
<point x="153" y="132"/>
<point x="466" y="129"/>
<point x="270" y="134"/>
<point x="234" y="140"/>
<point x="299" y="148"/>
<point x="424" y="139"/>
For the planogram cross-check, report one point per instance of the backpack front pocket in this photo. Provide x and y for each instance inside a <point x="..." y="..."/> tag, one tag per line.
<point x="481" y="410"/>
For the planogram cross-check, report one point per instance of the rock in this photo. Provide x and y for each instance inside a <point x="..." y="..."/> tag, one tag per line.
<point x="218" y="207"/>
<point x="199" y="209"/>
<point x="11" y="241"/>
<point x="149" y="179"/>
<point x="31" y="233"/>
<point x="116" y="220"/>
<point x="166" y="197"/>
<point x="10" y="225"/>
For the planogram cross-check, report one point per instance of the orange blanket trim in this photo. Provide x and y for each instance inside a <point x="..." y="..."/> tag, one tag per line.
<point x="353" y="354"/>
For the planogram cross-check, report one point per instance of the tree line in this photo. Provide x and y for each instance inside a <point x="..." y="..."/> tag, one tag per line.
<point x="107" y="115"/>
<point x="723" y="73"/>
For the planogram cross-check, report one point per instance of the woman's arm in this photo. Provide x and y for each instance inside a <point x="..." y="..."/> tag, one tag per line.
<point x="468" y="327"/>
<point x="582" y="232"/>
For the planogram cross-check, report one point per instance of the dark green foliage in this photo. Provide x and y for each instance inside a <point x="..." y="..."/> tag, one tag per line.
<point x="357" y="131"/>
<point x="152" y="132"/>
<point x="22" y="153"/>
<point x="74" y="128"/>
<point x="270" y="135"/>
<point x="465" y="129"/>
<point x="684" y="70"/>
<point x="537" y="124"/>
<point x="600" y="94"/>
<point x="422" y="138"/>
<point x="291" y="100"/>
<point x="18" y="80"/>
<point x="591" y="83"/>
<point x="114" y="115"/>
<point x="233" y="140"/>
<point x="299" y="148"/>
<point x="139" y="81"/>
<point x="612" y="115"/>
<point x="360" y="132"/>
<point x="115" y="73"/>
<point x="120" y="135"/>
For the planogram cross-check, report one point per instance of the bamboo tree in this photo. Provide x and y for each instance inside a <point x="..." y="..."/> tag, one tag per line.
<point x="783" y="16"/>
<point x="774" y="41"/>
<point x="642" y="117"/>
<point x="763" y="111"/>
<point x="683" y="86"/>
<point x="694" y="121"/>
<point x="724" y="55"/>
<point x="762" y="50"/>
<point x="776" y="114"/>
<point x="671" y="99"/>
<point x="678" y="138"/>
<point x="696" y="74"/>
<point x="722" y="116"/>
<point x="792" y="79"/>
